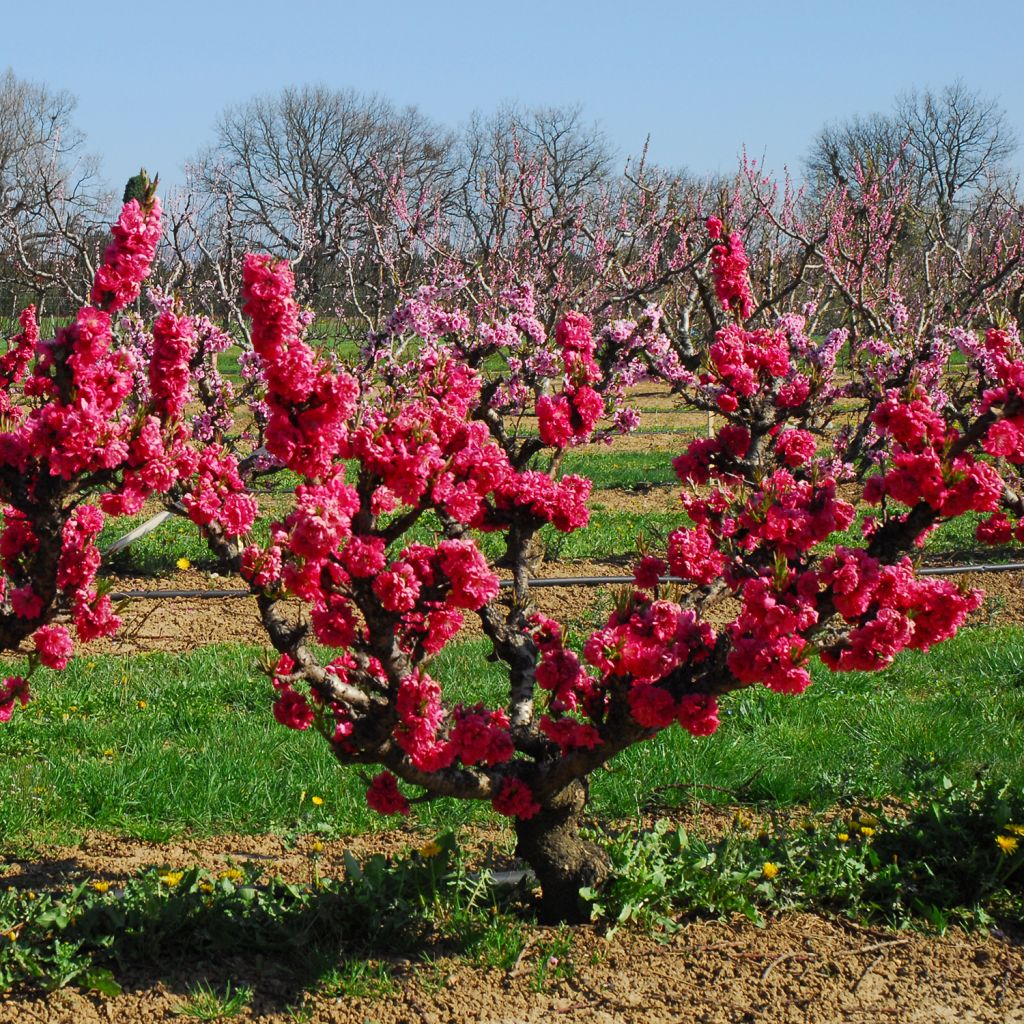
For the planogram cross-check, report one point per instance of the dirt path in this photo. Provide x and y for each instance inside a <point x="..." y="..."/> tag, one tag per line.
<point x="798" y="968"/>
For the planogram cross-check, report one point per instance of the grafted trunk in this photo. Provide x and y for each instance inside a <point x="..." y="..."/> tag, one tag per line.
<point x="563" y="861"/>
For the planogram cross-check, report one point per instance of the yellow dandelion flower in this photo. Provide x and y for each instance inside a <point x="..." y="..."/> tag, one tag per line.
<point x="742" y="820"/>
<point x="316" y="846"/>
<point x="1017" y="830"/>
<point x="142" y="705"/>
<point x="316" y="801"/>
<point x="843" y="837"/>
<point x="431" y="849"/>
<point x="1008" y="844"/>
<point x="183" y="563"/>
<point x="866" y="831"/>
<point x="171" y="878"/>
<point x="12" y="935"/>
<point x="232" y="875"/>
<point x="205" y="887"/>
<point x="769" y="870"/>
<point x="101" y="887"/>
<point x="108" y="752"/>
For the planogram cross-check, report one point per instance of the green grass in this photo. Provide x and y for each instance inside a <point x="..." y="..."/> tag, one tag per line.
<point x="204" y="755"/>
<point x="626" y="470"/>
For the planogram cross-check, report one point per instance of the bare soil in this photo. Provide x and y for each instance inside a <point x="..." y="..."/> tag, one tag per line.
<point x="798" y="967"/>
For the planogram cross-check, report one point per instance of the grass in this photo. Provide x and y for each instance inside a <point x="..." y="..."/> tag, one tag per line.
<point x="206" y="1003"/>
<point x="162" y="745"/>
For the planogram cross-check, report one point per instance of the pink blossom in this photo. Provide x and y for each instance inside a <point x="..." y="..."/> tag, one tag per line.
<point x="384" y="797"/>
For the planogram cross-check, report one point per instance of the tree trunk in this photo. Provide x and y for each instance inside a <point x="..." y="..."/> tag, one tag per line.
<point x="562" y="860"/>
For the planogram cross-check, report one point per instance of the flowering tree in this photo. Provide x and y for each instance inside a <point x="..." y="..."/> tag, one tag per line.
<point x="68" y="432"/>
<point x="407" y="461"/>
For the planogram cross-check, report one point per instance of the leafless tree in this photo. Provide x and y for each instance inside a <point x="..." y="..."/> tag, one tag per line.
<point x="52" y="202"/>
<point x="307" y="174"/>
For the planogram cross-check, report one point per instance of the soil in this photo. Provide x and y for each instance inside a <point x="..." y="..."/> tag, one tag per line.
<point x="798" y="967"/>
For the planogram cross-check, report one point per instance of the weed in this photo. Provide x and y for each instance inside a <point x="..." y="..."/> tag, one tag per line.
<point x="205" y="1003"/>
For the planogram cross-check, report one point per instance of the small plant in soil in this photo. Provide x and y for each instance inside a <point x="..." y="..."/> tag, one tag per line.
<point x="206" y="1003"/>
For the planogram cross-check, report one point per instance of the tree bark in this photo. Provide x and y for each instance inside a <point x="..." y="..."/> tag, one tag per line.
<point x="563" y="861"/>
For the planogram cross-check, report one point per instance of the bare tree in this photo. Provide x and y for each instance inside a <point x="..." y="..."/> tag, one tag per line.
<point x="52" y="201"/>
<point x="958" y="139"/>
<point x="861" y="149"/>
<point x="308" y="172"/>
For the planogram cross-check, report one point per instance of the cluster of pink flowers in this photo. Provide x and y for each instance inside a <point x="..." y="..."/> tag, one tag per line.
<point x="14" y="689"/>
<point x="14" y="362"/>
<point x="514" y="799"/>
<point x="651" y="642"/>
<point x="309" y="407"/>
<point x="384" y="796"/>
<point x="745" y="361"/>
<point x="729" y="270"/>
<point x="922" y="467"/>
<point x="85" y="431"/>
<point x="890" y="608"/>
<point x="767" y="646"/>
<point x="126" y="261"/>
<point x="572" y="415"/>
<point x="218" y="494"/>
<point x="173" y="344"/>
<point x="434" y="741"/>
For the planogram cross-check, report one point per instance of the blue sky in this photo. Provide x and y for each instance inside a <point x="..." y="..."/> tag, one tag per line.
<point x="703" y="80"/>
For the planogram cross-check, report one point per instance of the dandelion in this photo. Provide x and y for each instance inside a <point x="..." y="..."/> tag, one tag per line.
<point x="431" y="849"/>
<point x="142" y="705"/>
<point x="183" y="563"/>
<point x="1008" y="844"/>
<point x="101" y="887"/>
<point x="769" y="870"/>
<point x="171" y="878"/>
<point x="12" y="935"/>
<point x="316" y="846"/>
<point x="108" y="752"/>
<point x="1017" y="830"/>
<point x="316" y="801"/>
<point x="843" y="836"/>
<point x="232" y="875"/>
<point x="867" y="831"/>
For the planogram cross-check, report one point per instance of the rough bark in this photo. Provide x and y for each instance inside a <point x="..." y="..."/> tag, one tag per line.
<point x="563" y="861"/>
